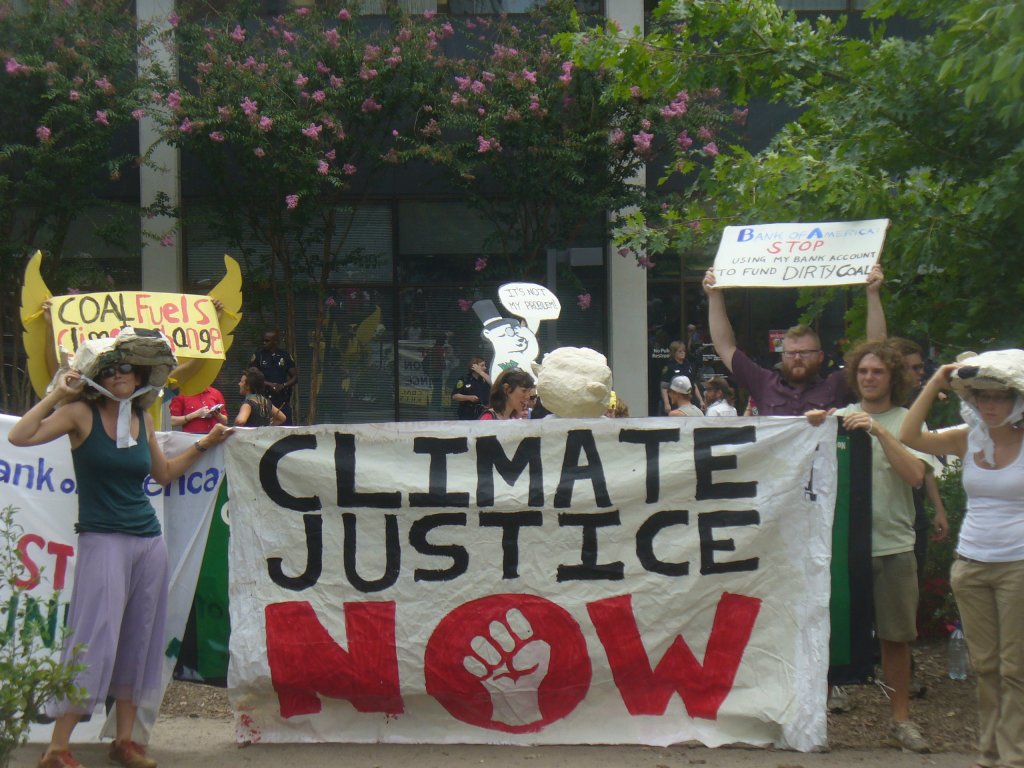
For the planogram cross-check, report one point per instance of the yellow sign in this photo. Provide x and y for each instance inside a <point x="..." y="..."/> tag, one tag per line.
<point x="189" y="321"/>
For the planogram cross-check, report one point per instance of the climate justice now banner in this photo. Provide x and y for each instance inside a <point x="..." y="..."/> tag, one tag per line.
<point x="537" y="582"/>
<point x="40" y="483"/>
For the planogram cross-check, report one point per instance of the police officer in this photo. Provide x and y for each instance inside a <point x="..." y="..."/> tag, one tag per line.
<point x="473" y="391"/>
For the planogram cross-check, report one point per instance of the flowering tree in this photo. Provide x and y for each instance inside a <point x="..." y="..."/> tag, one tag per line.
<point x="542" y="147"/>
<point x="72" y="79"/>
<point x="942" y="159"/>
<point x="290" y="118"/>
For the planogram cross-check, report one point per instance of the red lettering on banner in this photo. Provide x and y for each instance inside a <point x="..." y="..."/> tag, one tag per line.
<point x="702" y="688"/>
<point x="305" y="661"/>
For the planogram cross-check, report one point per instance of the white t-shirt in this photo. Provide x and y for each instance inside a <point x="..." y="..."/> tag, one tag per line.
<point x="993" y="529"/>
<point x="721" y="408"/>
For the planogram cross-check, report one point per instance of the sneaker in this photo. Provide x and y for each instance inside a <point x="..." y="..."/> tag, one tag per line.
<point x="838" y="700"/>
<point x="904" y="734"/>
<point x="130" y="755"/>
<point x="59" y="758"/>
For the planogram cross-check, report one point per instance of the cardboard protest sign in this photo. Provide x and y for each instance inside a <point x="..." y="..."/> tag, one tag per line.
<point x="531" y="302"/>
<point x="559" y="581"/>
<point x="40" y="482"/>
<point x="189" y="321"/>
<point x="793" y="255"/>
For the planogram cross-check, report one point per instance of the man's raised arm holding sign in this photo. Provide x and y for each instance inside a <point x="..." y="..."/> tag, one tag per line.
<point x="797" y="387"/>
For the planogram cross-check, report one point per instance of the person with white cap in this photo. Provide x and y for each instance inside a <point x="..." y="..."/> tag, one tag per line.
<point x="987" y="575"/>
<point x="679" y="390"/>
<point x="119" y="600"/>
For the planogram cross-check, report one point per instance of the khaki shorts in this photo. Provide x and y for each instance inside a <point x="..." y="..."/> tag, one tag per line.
<point x="895" y="591"/>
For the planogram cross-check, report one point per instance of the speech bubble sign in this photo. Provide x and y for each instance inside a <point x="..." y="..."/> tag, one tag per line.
<point x="531" y="302"/>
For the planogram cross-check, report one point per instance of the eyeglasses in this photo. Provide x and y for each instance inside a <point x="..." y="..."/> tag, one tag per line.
<point x="993" y="397"/>
<point x="110" y="370"/>
<point x="806" y="354"/>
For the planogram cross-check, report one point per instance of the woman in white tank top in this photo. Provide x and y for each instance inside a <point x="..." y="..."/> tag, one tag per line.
<point x="988" y="573"/>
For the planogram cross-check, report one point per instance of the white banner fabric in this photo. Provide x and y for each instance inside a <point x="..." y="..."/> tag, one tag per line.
<point x="793" y="255"/>
<point x="647" y="581"/>
<point x="40" y="483"/>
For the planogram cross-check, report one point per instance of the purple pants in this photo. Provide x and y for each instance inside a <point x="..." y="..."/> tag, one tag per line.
<point x="116" y="621"/>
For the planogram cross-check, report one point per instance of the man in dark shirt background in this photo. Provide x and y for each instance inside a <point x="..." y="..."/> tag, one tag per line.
<point x="797" y="387"/>
<point x="280" y="372"/>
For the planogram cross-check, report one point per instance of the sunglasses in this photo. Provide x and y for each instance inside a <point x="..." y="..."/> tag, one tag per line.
<point x="111" y="370"/>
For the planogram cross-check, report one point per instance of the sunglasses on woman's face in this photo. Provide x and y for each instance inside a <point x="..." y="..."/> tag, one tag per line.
<point x="110" y="370"/>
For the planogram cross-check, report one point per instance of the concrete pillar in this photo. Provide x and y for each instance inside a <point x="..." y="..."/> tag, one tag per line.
<point x="162" y="265"/>
<point x="627" y="282"/>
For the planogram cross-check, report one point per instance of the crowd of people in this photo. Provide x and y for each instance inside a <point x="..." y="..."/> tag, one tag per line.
<point x="880" y="390"/>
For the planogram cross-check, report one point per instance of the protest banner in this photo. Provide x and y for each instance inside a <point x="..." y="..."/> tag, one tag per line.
<point x="188" y="321"/>
<point x="560" y="581"/>
<point x="794" y="255"/>
<point x="40" y="483"/>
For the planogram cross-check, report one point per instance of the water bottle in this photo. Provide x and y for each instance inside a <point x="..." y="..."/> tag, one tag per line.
<point x="957" y="654"/>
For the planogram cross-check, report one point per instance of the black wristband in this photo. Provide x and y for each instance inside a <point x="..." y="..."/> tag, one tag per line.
<point x="199" y="447"/>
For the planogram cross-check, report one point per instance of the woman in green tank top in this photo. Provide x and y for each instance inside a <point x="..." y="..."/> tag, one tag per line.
<point x="113" y="449"/>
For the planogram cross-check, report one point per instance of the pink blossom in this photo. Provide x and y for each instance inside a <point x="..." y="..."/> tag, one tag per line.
<point x="710" y="149"/>
<point x="463" y="82"/>
<point x="487" y="145"/>
<point x="694" y="224"/>
<point x="104" y="85"/>
<point x="348" y="169"/>
<point x="583" y="301"/>
<point x="301" y="81"/>
<point x="238" y="34"/>
<point x="259" y="152"/>
<point x="618" y="136"/>
<point x="174" y="20"/>
<point x="428" y="15"/>
<point x="288" y="37"/>
<point x="370" y="106"/>
<point x="645" y="124"/>
<point x="319" y="96"/>
<point x="624" y="252"/>
<point x="465" y="304"/>
<point x="204" y="67"/>
<point x="481" y="111"/>
<point x="266" y="123"/>
<point x="186" y="126"/>
<point x="634" y="91"/>
<point x="74" y="95"/>
<point x="642" y="141"/>
<point x="740" y="116"/>
<point x="394" y="132"/>
<point x="224" y="113"/>
<point x="393" y="61"/>
<point x="704" y="133"/>
<point x="312" y="131"/>
<point x="13" y="67"/>
<point x="344" y="15"/>
<point x="138" y="114"/>
<point x="684" y="141"/>
<point x="487" y="77"/>
<point x="534" y="103"/>
<point x="678" y="106"/>
<point x="302" y="11"/>
<point x="322" y="68"/>
<point x="323" y="168"/>
<point x="530" y="77"/>
<point x="477" y="87"/>
<point x="336" y="82"/>
<point x="447" y="29"/>
<point x="404" y="34"/>
<point x="101" y="117"/>
<point x="216" y="136"/>
<point x="167" y="240"/>
<point x="371" y="53"/>
<point x="292" y="201"/>
<point x="645" y="262"/>
<point x="566" y="76"/>
<point x="367" y="73"/>
<point x="174" y="100"/>
<point x="331" y="155"/>
<point x="43" y="133"/>
<point x="330" y="301"/>
<point x="481" y="264"/>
